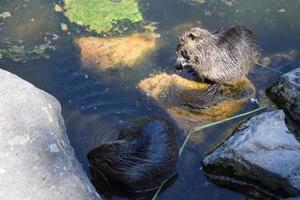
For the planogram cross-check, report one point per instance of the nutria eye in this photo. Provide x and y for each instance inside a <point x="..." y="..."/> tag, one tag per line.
<point x="192" y="36"/>
<point x="108" y="162"/>
<point x="184" y="55"/>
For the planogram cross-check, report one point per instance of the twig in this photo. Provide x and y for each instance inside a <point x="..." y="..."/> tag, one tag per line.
<point x="198" y="128"/>
<point x="270" y="68"/>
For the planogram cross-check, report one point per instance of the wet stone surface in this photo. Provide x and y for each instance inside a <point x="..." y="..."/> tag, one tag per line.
<point x="36" y="159"/>
<point x="286" y="93"/>
<point x="262" y="155"/>
<point x="186" y="102"/>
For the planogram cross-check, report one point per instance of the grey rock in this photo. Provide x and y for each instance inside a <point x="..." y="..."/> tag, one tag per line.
<point x="263" y="154"/>
<point x="286" y="93"/>
<point x="36" y="159"/>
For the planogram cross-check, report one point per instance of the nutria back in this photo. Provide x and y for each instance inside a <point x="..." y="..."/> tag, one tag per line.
<point x="224" y="56"/>
<point x="144" y="155"/>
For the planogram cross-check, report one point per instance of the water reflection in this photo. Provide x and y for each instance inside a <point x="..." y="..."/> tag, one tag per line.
<point x="97" y="104"/>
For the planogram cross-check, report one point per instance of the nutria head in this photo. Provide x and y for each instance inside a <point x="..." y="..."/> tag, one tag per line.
<point x="109" y="158"/>
<point x="144" y="155"/>
<point x="190" y="43"/>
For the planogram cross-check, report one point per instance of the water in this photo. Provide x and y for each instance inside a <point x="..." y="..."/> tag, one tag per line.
<point x="97" y="104"/>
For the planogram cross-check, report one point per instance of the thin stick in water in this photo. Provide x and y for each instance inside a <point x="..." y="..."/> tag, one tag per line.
<point x="270" y="68"/>
<point x="198" y="128"/>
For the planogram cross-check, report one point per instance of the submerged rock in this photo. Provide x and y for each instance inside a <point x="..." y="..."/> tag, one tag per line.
<point x="263" y="154"/>
<point x="186" y="102"/>
<point x="115" y="51"/>
<point x="36" y="159"/>
<point x="5" y="15"/>
<point x="57" y="8"/>
<point x="276" y="59"/>
<point x="286" y="93"/>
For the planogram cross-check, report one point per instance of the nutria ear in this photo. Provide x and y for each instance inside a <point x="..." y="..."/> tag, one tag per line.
<point x="181" y="38"/>
<point x="192" y="36"/>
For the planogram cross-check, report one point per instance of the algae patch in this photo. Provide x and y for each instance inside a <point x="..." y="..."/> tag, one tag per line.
<point x="102" y="16"/>
<point x="19" y="52"/>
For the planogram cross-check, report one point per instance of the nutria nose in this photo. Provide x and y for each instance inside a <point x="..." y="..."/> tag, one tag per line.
<point x="178" y="67"/>
<point x="91" y="158"/>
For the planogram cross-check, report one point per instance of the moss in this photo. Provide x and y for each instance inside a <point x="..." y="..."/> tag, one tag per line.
<point x="102" y="16"/>
<point x="186" y="102"/>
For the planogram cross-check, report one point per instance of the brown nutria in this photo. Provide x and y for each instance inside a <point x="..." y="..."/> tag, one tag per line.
<point x="224" y="56"/>
<point x="144" y="155"/>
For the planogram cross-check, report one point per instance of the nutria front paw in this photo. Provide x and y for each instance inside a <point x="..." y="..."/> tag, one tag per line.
<point x="213" y="89"/>
<point x="201" y="77"/>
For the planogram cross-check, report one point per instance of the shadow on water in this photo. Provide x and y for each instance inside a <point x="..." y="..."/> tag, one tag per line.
<point x="96" y="104"/>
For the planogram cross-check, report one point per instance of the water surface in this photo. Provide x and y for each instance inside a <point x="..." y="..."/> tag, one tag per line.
<point x="97" y="104"/>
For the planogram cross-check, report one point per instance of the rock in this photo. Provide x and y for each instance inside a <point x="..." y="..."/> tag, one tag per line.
<point x="286" y="93"/>
<point x="64" y="27"/>
<point x="276" y="59"/>
<point x="36" y="159"/>
<point x="5" y="15"/>
<point x="262" y="154"/>
<point x="57" y="8"/>
<point x="183" y="27"/>
<point x="186" y="103"/>
<point x="115" y="51"/>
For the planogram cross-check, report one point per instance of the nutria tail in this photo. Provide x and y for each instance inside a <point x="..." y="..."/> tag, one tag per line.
<point x="144" y="155"/>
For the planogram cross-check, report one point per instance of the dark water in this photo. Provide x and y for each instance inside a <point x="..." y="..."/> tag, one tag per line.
<point x="97" y="104"/>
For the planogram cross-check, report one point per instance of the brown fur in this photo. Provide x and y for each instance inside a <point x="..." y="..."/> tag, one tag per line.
<point x="144" y="155"/>
<point x="225" y="56"/>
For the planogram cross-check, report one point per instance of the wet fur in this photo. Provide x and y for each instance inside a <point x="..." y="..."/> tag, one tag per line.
<point x="144" y="155"/>
<point x="224" y="56"/>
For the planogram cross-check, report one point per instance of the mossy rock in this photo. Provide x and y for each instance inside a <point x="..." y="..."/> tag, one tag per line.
<point x="102" y="16"/>
<point x="186" y="102"/>
<point x="115" y="52"/>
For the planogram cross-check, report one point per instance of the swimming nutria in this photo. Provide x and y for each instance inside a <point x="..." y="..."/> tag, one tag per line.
<point x="224" y="56"/>
<point x="144" y="155"/>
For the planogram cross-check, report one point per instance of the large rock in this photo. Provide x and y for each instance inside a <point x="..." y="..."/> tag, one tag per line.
<point x="186" y="102"/>
<point x="36" y="159"/>
<point x="286" y="93"/>
<point x="262" y="154"/>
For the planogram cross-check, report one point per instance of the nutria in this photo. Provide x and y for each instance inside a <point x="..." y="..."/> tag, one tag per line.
<point x="143" y="156"/>
<point x="224" y="56"/>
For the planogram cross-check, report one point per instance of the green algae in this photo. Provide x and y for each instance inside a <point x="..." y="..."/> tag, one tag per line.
<point x="102" y="16"/>
<point x="22" y="53"/>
